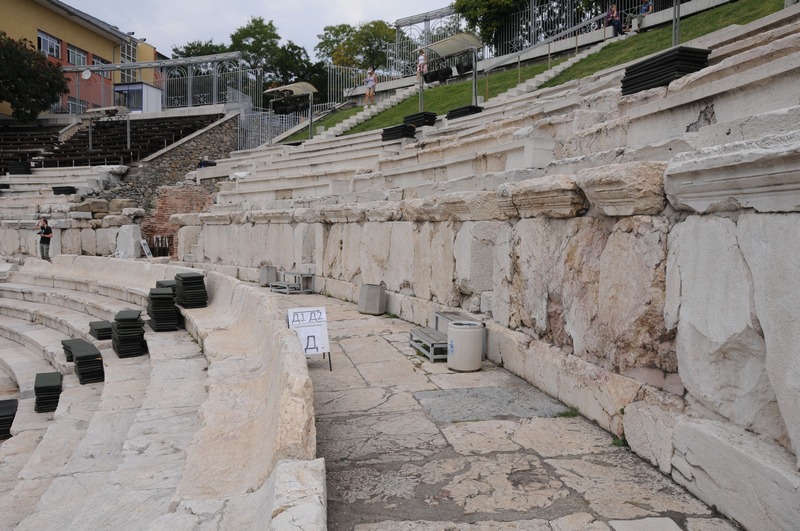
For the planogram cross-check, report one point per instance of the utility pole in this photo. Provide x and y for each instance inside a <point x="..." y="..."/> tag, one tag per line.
<point x="676" y="22"/>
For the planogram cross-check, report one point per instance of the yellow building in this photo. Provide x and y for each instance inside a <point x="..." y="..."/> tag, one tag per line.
<point x="71" y="37"/>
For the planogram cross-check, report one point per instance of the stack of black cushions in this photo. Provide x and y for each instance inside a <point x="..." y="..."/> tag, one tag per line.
<point x="8" y="410"/>
<point x="100" y="329"/>
<point x="190" y="290"/>
<point x="161" y="309"/>
<point x="660" y="70"/>
<point x="463" y="111"/>
<point x="421" y="118"/>
<point x="398" y="131"/>
<point x="77" y="345"/>
<point x="173" y="286"/>
<point x="127" y="334"/>
<point x="88" y="364"/>
<point x="47" y="388"/>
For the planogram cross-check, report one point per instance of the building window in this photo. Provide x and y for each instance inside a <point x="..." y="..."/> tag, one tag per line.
<point x="130" y="97"/>
<point x="75" y="106"/>
<point x="76" y="56"/>
<point x="128" y="55"/>
<point x="100" y="61"/>
<point x="49" y="45"/>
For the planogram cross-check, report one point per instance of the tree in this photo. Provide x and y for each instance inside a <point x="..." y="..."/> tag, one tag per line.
<point x="361" y="47"/>
<point x="258" y="42"/>
<point x="28" y="81"/>
<point x="487" y="16"/>
<point x="199" y="48"/>
<point x="371" y="40"/>
<point x="331" y="44"/>
<point x="290" y="64"/>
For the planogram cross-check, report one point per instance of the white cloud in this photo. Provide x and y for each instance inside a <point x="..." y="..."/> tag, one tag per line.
<point x="168" y="23"/>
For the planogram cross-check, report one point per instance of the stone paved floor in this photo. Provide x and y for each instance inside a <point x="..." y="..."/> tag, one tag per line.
<point x="409" y="444"/>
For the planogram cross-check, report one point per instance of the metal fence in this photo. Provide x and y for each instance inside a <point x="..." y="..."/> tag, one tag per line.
<point x="188" y="85"/>
<point x="195" y="85"/>
<point x="544" y="19"/>
<point x="258" y="126"/>
<point x="344" y="80"/>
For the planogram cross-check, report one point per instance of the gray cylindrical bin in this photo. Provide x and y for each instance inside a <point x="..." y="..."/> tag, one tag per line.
<point x="464" y="345"/>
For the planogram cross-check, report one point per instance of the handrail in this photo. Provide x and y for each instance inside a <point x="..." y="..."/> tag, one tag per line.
<point x="505" y="59"/>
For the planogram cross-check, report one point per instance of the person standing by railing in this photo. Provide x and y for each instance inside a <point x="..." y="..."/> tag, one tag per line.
<point x="646" y="9"/>
<point x="371" y="82"/>
<point x="422" y="64"/>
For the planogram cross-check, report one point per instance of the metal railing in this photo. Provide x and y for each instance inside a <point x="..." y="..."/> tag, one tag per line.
<point x="180" y="86"/>
<point x="259" y="126"/>
<point x="344" y="80"/>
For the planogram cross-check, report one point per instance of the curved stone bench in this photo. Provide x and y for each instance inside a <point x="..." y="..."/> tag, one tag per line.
<point x="39" y="341"/>
<point x="51" y="438"/>
<point x="93" y="305"/>
<point x="134" y="449"/>
<point x="21" y="361"/>
<point x="258" y="411"/>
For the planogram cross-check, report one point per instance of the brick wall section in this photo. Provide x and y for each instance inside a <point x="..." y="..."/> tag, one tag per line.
<point x="182" y="198"/>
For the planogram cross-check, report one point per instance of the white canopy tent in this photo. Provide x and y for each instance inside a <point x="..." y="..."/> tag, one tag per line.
<point x="451" y="46"/>
<point x="294" y="89"/>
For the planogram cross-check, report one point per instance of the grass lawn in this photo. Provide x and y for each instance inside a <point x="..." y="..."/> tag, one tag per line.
<point x="658" y="39"/>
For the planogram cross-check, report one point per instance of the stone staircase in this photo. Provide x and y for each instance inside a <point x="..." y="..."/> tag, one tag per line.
<point x="535" y="82"/>
<point x="368" y="113"/>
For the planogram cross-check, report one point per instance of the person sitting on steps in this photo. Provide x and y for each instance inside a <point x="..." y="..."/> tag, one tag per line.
<point x="646" y="9"/>
<point x="613" y="20"/>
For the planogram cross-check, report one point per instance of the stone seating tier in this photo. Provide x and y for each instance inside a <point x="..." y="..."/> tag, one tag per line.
<point x="639" y="123"/>
<point x="298" y="162"/>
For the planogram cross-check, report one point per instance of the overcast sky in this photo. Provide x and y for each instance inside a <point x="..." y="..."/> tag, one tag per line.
<point x="166" y="23"/>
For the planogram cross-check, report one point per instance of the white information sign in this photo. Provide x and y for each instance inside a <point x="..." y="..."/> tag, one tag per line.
<point x="311" y="325"/>
<point x="146" y="249"/>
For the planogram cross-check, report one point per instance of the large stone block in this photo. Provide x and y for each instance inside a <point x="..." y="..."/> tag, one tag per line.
<point x="769" y="244"/>
<point x="634" y="188"/>
<point x="400" y="273"/>
<point x="554" y="196"/>
<point x="747" y="479"/>
<point x="502" y="275"/>
<point x="129" y="241"/>
<point x="474" y="255"/>
<point x="71" y="241"/>
<point x="10" y="241"/>
<point x="88" y="242"/>
<point x="598" y="394"/>
<point x="507" y="347"/>
<point x="187" y="238"/>
<point x="434" y="263"/>
<point x="374" y="257"/>
<point x="719" y="343"/>
<point x="542" y="366"/>
<point x="759" y="174"/>
<point x="629" y="326"/>
<point x="649" y="429"/>
<point x="106" y="241"/>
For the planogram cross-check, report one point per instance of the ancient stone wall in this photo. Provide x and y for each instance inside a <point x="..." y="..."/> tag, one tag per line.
<point x="657" y="298"/>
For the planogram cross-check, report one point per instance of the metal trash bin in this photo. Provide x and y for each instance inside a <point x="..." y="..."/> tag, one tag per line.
<point x="464" y="345"/>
